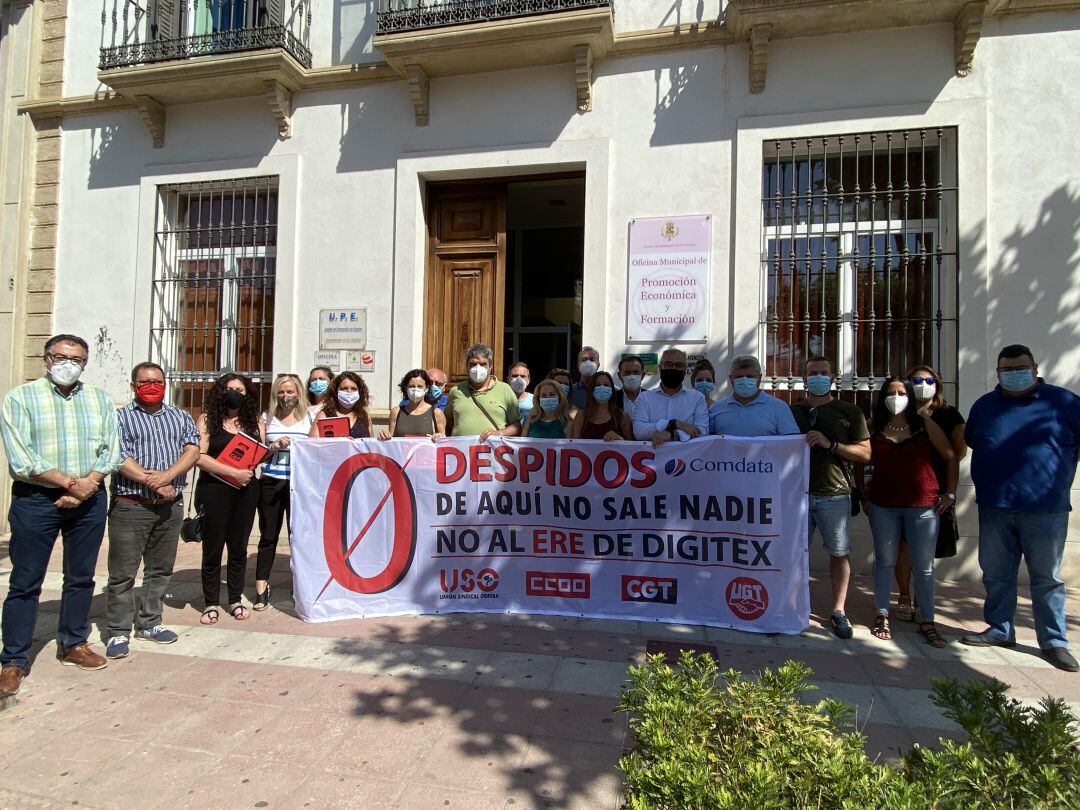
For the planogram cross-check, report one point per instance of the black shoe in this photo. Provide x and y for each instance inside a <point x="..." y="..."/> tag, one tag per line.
<point x="261" y="600"/>
<point x="986" y="639"/>
<point x="841" y="626"/>
<point x="1061" y="658"/>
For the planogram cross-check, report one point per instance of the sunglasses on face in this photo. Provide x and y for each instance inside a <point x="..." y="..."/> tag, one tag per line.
<point x="927" y="380"/>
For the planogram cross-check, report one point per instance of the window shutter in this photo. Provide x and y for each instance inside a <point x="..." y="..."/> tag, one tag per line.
<point x="273" y="12"/>
<point x="166" y="22"/>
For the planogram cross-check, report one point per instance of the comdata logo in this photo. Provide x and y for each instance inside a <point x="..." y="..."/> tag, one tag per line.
<point x="664" y="590"/>
<point x="567" y="585"/>
<point x="675" y="467"/>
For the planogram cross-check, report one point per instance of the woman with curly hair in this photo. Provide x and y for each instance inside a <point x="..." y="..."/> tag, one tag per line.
<point x="228" y="497"/>
<point x="347" y="396"/>
<point x="417" y="417"/>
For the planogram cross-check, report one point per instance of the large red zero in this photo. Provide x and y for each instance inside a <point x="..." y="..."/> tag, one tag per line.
<point x="336" y="539"/>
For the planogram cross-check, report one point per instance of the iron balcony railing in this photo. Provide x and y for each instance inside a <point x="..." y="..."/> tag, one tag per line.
<point x="396" y="16"/>
<point x="139" y="32"/>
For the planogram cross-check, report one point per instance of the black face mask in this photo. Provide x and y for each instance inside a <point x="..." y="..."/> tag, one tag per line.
<point x="671" y="377"/>
<point x="234" y="399"/>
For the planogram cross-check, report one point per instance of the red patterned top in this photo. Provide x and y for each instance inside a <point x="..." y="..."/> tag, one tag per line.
<point x="903" y="472"/>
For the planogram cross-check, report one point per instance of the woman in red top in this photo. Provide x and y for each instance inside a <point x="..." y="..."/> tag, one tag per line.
<point x="903" y="500"/>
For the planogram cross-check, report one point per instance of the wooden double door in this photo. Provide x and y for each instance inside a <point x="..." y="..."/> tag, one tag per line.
<point x="464" y="297"/>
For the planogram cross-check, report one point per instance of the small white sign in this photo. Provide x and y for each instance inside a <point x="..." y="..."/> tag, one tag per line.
<point x="331" y="359"/>
<point x="343" y="328"/>
<point x="362" y="361"/>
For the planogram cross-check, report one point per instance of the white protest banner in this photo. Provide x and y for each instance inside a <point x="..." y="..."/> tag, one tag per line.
<point x="711" y="531"/>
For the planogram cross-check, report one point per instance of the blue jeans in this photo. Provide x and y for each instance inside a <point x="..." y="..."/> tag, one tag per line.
<point x="830" y="514"/>
<point x="1005" y="535"/>
<point x="35" y="524"/>
<point x="919" y="525"/>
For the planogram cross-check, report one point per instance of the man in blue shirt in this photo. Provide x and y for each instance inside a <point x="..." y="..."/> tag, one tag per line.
<point x="749" y="411"/>
<point x="1024" y="437"/>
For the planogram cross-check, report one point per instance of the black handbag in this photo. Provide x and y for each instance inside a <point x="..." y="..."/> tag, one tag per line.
<point x="948" y="534"/>
<point x="191" y="529"/>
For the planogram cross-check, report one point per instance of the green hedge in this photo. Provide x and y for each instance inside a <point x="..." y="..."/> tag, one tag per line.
<point x="709" y="740"/>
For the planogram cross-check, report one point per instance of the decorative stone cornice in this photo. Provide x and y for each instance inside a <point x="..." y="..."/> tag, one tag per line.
<point x="418" y="83"/>
<point x="280" y="99"/>
<point x="152" y="114"/>
<point x="759" y="56"/>
<point x="583" y="70"/>
<point x="967" y="28"/>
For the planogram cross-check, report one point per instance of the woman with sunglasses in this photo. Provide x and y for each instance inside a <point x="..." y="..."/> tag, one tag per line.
<point x="903" y="500"/>
<point x="926" y="383"/>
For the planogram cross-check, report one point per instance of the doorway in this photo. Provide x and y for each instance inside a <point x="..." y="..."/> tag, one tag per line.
<point x="505" y="267"/>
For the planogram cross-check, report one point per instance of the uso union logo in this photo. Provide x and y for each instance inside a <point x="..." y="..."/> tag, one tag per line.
<point x="675" y="467"/>
<point x="339" y="542"/>
<point x="747" y="598"/>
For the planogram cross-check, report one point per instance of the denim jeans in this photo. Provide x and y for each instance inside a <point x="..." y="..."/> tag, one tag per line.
<point x="1005" y="535"/>
<point x="35" y="524"/>
<point x="830" y="514"/>
<point x="919" y="525"/>
<point x="147" y="534"/>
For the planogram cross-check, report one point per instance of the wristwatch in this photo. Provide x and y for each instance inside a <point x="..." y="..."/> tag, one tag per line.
<point x="951" y="496"/>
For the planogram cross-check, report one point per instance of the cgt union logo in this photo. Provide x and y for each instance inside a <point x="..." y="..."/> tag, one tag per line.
<point x="567" y="585"/>
<point x="664" y="590"/>
<point x="463" y="583"/>
<point x="747" y="598"/>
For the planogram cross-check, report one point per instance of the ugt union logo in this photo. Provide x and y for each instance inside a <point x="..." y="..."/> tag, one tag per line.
<point x="747" y="598"/>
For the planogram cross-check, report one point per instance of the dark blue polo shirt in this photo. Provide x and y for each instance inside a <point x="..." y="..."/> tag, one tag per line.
<point x="1024" y="448"/>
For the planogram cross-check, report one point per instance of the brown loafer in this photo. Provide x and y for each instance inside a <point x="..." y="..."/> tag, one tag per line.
<point x="83" y="657"/>
<point x="11" y="679"/>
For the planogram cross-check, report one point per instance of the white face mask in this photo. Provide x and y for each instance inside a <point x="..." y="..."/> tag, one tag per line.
<point x="587" y="368"/>
<point x="896" y="403"/>
<point x="925" y="391"/>
<point x="65" y="373"/>
<point x="478" y="374"/>
<point x="519" y="384"/>
<point x="348" y="398"/>
<point x="416" y="394"/>
<point x="632" y="382"/>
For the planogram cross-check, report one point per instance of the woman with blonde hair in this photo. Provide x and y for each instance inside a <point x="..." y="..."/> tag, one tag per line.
<point x="288" y="419"/>
<point x="550" y="417"/>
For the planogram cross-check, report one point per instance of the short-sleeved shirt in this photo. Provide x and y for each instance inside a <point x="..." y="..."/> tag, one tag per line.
<point x="764" y="415"/>
<point x="1023" y="449"/>
<point x="838" y="421"/>
<point x="947" y="418"/>
<point x="525" y="406"/>
<point x="154" y="441"/>
<point x="278" y="465"/>
<point x="499" y="401"/>
<point x="553" y="429"/>
<point x="903" y="472"/>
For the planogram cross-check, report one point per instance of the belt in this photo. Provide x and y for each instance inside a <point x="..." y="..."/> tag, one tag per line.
<point x="146" y="501"/>
<point x="20" y="489"/>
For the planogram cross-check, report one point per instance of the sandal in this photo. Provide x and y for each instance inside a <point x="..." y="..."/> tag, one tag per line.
<point x="882" y="629"/>
<point x="905" y="610"/>
<point x="929" y="631"/>
<point x="239" y="612"/>
<point x="261" y="600"/>
<point x="210" y="615"/>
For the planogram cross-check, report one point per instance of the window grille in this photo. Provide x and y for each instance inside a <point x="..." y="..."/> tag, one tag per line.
<point x="859" y="258"/>
<point x="213" y="292"/>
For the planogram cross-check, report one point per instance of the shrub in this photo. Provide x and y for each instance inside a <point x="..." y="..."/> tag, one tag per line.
<point x="709" y="740"/>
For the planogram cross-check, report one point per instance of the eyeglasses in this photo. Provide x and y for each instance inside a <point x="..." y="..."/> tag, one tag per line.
<point x="63" y="358"/>
<point x="927" y="380"/>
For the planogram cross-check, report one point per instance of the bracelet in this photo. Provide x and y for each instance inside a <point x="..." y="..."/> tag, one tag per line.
<point x="832" y="447"/>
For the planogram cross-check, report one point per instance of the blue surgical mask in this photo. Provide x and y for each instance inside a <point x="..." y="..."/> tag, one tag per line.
<point x="745" y="386"/>
<point x="434" y="392"/>
<point x="601" y="393"/>
<point x="565" y="388"/>
<point x="1019" y="380"/>
<point x="549" y="404"/>
<point x="318" y="386"/>
<point x="819" y="384"/>
<point x="705" y="387"/>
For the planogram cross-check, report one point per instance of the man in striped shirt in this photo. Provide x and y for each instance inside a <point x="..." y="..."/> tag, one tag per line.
<point x="159" y="444"/>
<point x="61" y="441"/>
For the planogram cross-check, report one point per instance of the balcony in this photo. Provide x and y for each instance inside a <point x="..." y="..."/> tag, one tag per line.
<point x="164" y="52"/>
<point x="421" y="41"/>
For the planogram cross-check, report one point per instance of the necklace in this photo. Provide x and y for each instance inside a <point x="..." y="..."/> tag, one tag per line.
<point x="897" y="428"/>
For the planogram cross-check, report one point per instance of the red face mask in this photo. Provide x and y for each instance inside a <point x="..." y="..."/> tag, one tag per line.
<point x="151" y="393"/>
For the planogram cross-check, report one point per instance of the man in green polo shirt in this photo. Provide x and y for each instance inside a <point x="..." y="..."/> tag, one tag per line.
<point x="482" y="405"/>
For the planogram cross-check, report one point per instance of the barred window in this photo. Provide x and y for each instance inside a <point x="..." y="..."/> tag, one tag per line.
<point x="859" y="257"/>
<point x="213" y="292"/>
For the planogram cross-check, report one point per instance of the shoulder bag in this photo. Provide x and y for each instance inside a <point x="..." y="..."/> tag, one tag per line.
<point x="191" y="529"/>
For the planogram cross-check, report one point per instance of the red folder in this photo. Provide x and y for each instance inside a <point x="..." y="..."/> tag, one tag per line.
<point x="333" y="427"/>
<point x="242" y="453"/>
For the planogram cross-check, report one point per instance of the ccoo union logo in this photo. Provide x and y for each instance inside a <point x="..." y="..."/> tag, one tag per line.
<point x="675" y="467"/>
<point x="747" y="598"/>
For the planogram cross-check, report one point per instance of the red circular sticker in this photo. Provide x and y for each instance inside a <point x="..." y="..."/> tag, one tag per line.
<point x="747" y="598"/>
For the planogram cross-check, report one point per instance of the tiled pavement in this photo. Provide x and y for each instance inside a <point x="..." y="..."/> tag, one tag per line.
<point x="423" y="712"/>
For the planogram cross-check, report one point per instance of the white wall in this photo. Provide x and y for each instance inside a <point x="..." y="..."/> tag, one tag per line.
<point x="670" y="133"/>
